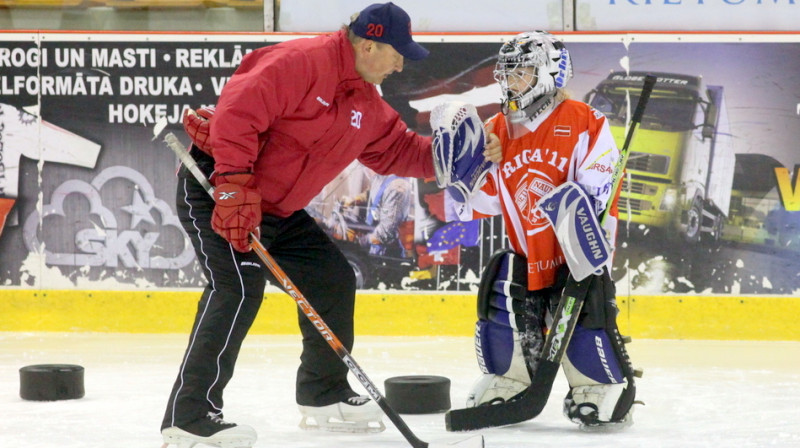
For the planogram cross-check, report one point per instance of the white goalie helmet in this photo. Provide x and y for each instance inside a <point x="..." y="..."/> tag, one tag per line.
<point x="530" y="69"/>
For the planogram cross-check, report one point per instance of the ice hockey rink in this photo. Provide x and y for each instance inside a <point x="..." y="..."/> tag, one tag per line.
<point x="696" y="393"/>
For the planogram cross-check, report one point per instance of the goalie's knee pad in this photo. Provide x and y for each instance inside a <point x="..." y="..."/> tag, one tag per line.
<point x="597" y="365"/>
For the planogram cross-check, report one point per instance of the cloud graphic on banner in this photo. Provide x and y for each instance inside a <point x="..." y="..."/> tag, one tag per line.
<point x="139" y="210"/>
<point x="457" y="233"/>
<point x="104" y="244"/>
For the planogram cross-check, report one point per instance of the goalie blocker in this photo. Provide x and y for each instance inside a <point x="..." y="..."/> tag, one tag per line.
<point x="510" y="333"/>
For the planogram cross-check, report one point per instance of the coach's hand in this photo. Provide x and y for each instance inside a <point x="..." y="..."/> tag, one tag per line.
<point x="237" y="212"/>
<point x="197" y="124"/>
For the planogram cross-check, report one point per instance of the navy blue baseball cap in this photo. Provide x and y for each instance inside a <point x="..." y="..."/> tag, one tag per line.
<point x="389" y="24"/>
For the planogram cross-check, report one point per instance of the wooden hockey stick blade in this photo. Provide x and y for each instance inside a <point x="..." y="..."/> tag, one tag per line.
<point x="532" y="401"/>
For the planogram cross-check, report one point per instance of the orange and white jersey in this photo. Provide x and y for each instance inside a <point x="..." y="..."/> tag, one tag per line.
<point x="571" y="142"/>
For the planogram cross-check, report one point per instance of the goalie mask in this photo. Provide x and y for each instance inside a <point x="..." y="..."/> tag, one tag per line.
<point x="530" y="69"/>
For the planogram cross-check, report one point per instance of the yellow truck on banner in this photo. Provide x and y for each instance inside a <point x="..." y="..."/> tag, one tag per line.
<point x="681" y="165"/>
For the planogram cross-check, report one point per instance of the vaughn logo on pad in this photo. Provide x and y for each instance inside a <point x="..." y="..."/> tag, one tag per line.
<point x="571" y="214"/>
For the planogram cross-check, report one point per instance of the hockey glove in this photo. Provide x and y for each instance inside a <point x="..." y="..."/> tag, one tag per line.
<point x="197" y="125"/>
<point x="237" y="212"/>
<point x="579" y="233"/>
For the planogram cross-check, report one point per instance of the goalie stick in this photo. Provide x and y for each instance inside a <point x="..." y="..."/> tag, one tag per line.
<point x="533" y="399"/>
<point x="619" y="169"/>
<point x="306" y="308"/>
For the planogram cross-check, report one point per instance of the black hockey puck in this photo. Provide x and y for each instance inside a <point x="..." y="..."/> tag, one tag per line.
<point x="418" y="394"/>
<point x="51" y="382"/>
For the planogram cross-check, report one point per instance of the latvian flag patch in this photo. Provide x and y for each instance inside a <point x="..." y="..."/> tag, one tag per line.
<point x="562" y="131"/>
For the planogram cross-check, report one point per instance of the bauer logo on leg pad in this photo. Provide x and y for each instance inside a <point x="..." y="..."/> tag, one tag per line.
<point x="578" y="231"/>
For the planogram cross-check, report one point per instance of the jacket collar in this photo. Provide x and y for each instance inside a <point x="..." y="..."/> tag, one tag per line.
<point x="349" y="79"/>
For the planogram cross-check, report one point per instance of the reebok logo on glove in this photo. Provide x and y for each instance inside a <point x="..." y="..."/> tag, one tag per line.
<point x="227" y="195"/>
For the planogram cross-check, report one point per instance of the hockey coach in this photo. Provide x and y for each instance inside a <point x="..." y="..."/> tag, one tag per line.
<point x="290" y="119"/>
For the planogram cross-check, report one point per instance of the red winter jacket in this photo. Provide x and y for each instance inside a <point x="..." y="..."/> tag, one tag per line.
<point x="297" y="113"/>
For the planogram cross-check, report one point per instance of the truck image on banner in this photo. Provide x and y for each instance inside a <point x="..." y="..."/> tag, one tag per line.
<point x="681" y="164"/>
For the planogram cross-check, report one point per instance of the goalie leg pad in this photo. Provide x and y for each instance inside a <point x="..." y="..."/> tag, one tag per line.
<point x="499" y="350"/>
<point x="601" y="393"/>
<point x="591" y="359"/>
<point x="501" y="297"/>
<point x="509" y="333"/>
<point x="501" y="359"/>
<point x="597" y="365"/>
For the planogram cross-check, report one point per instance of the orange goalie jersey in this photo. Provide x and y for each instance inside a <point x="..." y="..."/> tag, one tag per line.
<point x="571" y="142"/>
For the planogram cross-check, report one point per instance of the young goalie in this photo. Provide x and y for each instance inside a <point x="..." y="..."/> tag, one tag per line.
<point x="547" y="141"/>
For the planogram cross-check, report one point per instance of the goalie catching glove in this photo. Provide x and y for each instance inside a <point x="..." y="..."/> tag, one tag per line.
<point x="238" y="209"/>
<point x="458" y="144"/>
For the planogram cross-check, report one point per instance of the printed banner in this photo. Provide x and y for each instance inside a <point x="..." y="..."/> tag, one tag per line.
<point x="710" y="204"/>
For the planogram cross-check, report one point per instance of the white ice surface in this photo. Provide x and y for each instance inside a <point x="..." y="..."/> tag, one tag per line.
<point x="696" y="393"/>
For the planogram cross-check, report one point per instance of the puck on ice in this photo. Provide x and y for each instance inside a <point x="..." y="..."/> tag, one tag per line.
<point x="51" y="382"/>
<point x="418" y="394"/>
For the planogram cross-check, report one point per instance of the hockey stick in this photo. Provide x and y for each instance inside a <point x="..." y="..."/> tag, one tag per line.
<point x="532" y="401"/>
<point x="309" y="311"/>
<point x="638" y="113"/>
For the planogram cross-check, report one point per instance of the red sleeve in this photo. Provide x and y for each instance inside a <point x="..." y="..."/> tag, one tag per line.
<point x="396" y="150"/>
<point x="264" y="87"/>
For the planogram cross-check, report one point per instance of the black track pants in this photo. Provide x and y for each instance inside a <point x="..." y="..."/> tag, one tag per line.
<point x="233" y="296"/>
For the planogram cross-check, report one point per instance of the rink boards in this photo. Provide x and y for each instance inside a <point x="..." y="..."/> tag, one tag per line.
<point x="393" y="314"/>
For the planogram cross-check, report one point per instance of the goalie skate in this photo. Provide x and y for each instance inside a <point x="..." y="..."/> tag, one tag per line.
<point x="608" y="426"/>
<point x="354" y="414"/>
<point x="492" y="389"/>
<point x="591" y="407"/>
<point x="211" y="431"/>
